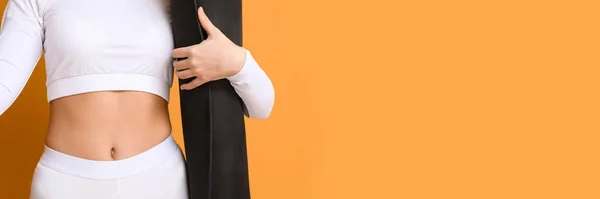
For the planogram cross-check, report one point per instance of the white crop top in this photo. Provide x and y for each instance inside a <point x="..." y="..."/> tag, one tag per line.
<point x="103" y="45"/>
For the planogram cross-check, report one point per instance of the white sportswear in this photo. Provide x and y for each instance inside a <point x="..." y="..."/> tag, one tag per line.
<point x="100" y="46"/>
<point x="157" y="173"/>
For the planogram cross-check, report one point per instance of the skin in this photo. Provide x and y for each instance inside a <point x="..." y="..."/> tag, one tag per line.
<point x="115" y="125"/>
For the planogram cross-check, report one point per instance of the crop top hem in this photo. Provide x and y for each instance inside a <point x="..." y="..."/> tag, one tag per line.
<point x="107" y="82"/>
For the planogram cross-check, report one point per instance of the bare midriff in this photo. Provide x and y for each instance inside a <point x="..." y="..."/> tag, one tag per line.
<point x="108" y="125"/>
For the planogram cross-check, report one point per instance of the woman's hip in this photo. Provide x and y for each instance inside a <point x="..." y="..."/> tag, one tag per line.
<point x="156" y="173"/>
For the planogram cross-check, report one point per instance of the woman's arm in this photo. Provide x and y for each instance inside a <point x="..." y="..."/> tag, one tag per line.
<point x="21" y="38"/>
<point x="255" y="88"/>
<point x="218" y="57"/>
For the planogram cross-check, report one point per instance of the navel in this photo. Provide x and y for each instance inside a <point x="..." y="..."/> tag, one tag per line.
<point x="112" y="153"/>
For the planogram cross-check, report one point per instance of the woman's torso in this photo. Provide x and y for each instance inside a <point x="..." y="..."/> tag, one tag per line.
<point x="114" y="58"/>
<point x="108" y="125"/>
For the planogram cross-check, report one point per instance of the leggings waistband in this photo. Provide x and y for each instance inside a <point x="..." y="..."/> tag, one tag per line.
<point x="95" y="169"/>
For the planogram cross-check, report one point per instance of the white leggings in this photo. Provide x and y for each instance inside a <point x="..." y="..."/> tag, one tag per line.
<point x="156" y="173"/>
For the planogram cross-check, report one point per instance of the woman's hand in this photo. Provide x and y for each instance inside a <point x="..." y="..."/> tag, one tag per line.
<point x="215" y="58"/>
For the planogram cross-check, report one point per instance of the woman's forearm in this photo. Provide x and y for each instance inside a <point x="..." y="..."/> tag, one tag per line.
<point x="255" y="88"/>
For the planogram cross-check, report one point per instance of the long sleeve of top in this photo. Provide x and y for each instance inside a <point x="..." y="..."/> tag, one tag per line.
<point x="21" y="39"/>
<point x="255" y="88"/>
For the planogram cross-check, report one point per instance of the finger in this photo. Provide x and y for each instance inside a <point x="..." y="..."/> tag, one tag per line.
<point x="185" y="74"/>
<point x="182" y="52"/>
<point x="206" y="23"/>
<point x="193" y="84"/>
<point x="182" y="64"/>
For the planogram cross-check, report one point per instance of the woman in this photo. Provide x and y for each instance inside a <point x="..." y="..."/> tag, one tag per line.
<point x="109" y="67"/>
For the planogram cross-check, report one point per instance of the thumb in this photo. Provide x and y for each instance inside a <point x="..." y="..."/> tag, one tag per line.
<point x="206" y="23"/>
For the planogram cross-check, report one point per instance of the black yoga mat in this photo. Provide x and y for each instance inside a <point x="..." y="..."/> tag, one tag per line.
<point x="212" y="114"/>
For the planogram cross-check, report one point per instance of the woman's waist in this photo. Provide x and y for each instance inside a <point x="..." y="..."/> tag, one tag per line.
<point x="107" y="125"/>
<point x="162" y="152"/>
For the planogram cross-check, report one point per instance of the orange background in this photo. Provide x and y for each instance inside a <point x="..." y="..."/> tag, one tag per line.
<point x="402" y="99"/>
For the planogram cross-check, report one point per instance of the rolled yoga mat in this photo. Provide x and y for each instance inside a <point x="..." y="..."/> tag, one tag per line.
<point x="212" y="114"/>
